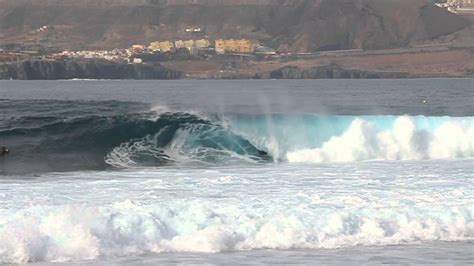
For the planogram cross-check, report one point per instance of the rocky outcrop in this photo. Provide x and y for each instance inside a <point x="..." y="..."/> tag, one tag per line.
<point x="32" y="70"/>
<point x="331" y="72"/>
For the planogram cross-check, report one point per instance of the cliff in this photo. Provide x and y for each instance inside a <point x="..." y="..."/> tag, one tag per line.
<point x="33" y="70"/>
<point x="288" y="25"/>
<point x="331" y="72"/>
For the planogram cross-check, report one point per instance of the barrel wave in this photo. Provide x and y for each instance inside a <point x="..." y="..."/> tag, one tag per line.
<point x="99" y="139"/>
<point x="127" y="140"/>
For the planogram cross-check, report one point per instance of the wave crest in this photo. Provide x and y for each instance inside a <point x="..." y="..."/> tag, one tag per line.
<point x="152" y="139"/>
<point x="363" y="140"/>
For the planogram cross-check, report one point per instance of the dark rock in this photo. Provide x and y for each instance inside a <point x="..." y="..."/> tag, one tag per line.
<point x="331" y="72"/>
<point x="37" y="70"/>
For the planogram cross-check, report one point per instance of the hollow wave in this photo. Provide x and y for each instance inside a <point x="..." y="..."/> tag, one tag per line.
<point x="157" y="138"/>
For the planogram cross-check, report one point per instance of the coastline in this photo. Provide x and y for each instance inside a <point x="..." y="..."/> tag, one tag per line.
<point x="431" y="62"/>
<point x="55" y="70"/>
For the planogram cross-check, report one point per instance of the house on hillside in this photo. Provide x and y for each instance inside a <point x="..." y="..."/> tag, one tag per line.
<point x="179" y="44"/>
<point x="456" y="6"/>
<point x="202" y="44"/>
<point x="138" y="47"/>
<point x="234" y="46"/>
<point x="193" y="30"/>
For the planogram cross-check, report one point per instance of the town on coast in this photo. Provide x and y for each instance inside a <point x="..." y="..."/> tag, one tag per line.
<point x="195" y="48"/>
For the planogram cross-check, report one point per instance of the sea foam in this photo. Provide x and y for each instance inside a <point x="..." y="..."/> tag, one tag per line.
<point x="128" y="228"/>
<point x="363" y="140"/>
<point x="106" y="215"/>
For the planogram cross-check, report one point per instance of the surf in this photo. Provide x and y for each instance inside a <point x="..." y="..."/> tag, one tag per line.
<point x="86" y="216"/>
<point x="160" y="137"/>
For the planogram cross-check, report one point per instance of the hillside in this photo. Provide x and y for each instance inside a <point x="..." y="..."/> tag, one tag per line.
<point x="289" y="25"/>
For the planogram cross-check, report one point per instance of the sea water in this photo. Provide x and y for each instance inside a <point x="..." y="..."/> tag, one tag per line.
<point x="241" y="172"/>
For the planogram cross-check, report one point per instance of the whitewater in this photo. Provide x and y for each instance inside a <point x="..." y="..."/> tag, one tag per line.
<point x="250" y="172"/>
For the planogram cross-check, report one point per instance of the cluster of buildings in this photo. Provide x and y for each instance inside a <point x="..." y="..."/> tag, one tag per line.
<point x="461" y="3"/>
<point x="234" y="46"/>
<point x="457" y="5"/>
<point x="169" y="46"/>
<point x="111" y="55"/>
<point x="221" y="46"/>
<point x="158" y="50"/>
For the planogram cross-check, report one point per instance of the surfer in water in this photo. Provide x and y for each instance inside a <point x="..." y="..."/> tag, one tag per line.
<point x="4" y="151"/>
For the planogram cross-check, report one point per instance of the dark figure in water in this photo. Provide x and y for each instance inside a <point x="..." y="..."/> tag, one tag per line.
<point x="4" y="151"/>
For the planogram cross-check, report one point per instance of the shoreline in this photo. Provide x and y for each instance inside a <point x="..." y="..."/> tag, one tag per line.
<point x="395" y="63"/>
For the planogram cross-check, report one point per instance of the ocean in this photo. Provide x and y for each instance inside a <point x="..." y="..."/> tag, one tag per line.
<point x="255" y="172"/>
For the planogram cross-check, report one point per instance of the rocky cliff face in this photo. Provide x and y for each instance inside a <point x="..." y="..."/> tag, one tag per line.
<point x="292" y="25"/>
<point x="331" y="72"/>
<point x="32" y="70"/>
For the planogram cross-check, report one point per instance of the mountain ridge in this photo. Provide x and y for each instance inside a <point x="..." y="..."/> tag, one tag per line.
<point x="286" y="25"/>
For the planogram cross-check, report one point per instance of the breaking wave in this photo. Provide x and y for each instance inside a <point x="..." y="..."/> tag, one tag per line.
<point x="151" y="139"/>
<point x="126" y="140"/>
<point x="406" y="139"/>
<point x="313" y="138"/>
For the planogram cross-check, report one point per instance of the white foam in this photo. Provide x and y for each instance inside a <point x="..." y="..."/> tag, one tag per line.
<point x="180" y="149"/>
<point x="128" y="228"/>
<point x="104" y="215"/>
<point x="404" y="141"/>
